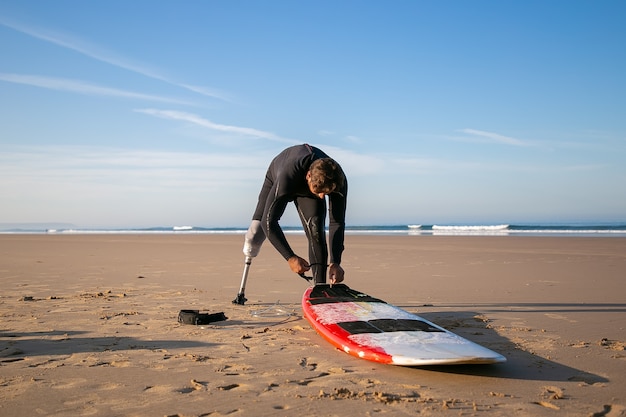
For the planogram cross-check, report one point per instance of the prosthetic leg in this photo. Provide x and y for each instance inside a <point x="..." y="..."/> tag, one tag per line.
<point x="241" y="299"/>
<point x="252" y="245"/>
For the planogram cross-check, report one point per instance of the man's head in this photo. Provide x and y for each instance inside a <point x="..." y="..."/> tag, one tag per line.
<point x="324" y="176"/>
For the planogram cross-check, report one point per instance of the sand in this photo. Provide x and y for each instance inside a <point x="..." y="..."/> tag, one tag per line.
<point x="89" y="327"/>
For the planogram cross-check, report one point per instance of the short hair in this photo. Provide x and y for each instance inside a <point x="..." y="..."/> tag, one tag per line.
<point x="326" y="175"/>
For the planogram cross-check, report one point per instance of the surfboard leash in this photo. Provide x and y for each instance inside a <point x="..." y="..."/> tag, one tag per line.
<point x="307" y="278"/>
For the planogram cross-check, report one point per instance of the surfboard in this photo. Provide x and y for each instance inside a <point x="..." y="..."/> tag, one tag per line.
<point x="370" y="328"/>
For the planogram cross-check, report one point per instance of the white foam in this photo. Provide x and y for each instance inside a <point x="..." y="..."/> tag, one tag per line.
<point x="479" y="228"/>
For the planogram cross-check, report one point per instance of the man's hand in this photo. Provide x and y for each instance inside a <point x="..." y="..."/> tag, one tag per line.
<point x="335" y="273"/>
<point x="298" y="265"/>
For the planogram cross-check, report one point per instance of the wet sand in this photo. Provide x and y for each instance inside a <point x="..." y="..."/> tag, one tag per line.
<point x="88" y="326"/>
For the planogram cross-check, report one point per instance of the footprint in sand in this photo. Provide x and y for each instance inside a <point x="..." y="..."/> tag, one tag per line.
<point x="194" y="386"/>
<point x="120" y="364"/>
<point x="559" y="317"/>
<point x="228" y="387"/>
<point x="158" y="389"/>
<point x="109" y="386"/>
<point x="304" y="362"/>
<point x="68" y="383"/>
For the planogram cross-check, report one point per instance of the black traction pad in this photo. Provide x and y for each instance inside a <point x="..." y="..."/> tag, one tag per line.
<point x="387" y="325"/>
<point x="338" y="293"/>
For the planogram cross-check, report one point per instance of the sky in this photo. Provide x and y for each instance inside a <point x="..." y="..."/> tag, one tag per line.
<point x="144" y="113"/>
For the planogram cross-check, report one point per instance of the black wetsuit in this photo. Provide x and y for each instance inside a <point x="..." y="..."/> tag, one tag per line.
<point x="285" y="181"/>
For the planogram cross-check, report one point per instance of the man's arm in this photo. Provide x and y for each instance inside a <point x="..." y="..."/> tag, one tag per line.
<point x="273" y="212"/>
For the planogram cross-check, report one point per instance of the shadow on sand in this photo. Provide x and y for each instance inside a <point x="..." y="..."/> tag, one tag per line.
<point x="17" y="345"/>
<point x="520" y="364"/>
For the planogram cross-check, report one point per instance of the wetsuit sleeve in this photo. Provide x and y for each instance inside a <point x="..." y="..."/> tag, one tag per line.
<point x="274" y="210"/>
<point x="337" y="223"/>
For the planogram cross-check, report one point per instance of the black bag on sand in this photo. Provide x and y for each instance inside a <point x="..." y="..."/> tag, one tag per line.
<point x="196" y="318"/>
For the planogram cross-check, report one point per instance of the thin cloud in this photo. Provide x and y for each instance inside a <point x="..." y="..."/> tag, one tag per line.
<point x="210" y="92"/>
<point x="495" y="137"/>
<point x="78" y="164"/>
<point x="81" y="87"/>
<point x="354" y="163"/>
<point x="200" y="121"/>
<point x="434" y="165"/>
<point x="98" y="185"/>
<point x="353" y="139"/>
<point x="99" y="54"/>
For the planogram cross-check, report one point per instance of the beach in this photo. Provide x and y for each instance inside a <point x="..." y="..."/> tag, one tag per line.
<point x="89" y="327"/>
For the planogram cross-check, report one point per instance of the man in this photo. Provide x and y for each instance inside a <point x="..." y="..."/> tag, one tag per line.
<point x="305" y="175"/>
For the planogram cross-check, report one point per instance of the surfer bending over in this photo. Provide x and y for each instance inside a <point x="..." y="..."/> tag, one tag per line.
<point x="305" y="175"/>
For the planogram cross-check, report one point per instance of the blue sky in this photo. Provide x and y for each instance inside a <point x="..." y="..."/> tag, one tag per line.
<point x="143" y="113"/>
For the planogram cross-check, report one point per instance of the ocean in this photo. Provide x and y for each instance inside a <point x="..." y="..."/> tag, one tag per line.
<point x="600" y="229"/>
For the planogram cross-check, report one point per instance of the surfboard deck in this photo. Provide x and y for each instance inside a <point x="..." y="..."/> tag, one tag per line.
<point x="370" y="328"/>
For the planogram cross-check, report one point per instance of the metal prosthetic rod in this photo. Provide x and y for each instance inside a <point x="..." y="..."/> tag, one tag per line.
<point x="251" y="246"/>
<point x="241" y="298"/>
